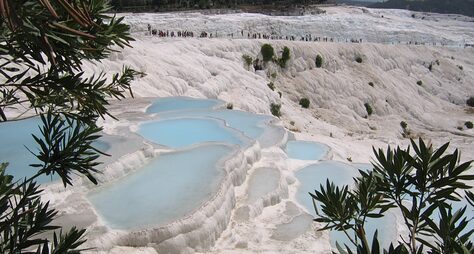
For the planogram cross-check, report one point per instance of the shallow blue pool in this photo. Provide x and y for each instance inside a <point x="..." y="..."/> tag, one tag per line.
<point x="181" y="103"/>
<point x="313" y="176"/>
<point x="305" y="150"/>
<point x="16" y="138"/>
<point x="168" y="188"/>
<point x="252" y="125"/>
<point x="182" y="132"/>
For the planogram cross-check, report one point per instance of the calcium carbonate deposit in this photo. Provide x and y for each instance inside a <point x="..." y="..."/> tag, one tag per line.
<point x="188" y="174"/>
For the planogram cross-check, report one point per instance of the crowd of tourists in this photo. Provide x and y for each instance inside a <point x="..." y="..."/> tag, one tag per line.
<point x="258" y="35"/>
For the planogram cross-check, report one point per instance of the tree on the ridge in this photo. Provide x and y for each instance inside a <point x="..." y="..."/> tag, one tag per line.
<point x="42" y="46"/>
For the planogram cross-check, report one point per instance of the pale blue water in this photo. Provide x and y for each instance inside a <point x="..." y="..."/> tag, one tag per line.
<point x="313" y="176"/>
<point x="182" y="132"/>
<point x="252" y="125"/>
<point x="170" y="187"/>
<point x="16" y="136"/>
<point x="181" y="103"/>
<point x="304" y="150"/>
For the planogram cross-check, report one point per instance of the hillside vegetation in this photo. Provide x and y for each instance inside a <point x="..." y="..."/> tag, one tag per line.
<point x="464" y="7"/>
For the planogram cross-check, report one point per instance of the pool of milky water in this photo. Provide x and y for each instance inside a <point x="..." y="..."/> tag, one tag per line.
<point x="182" y="132"/>
<point x="304" y="150"/>
<point x="17" y="142"/>
<point x="312" y="176"/>
<point x="166" y="189"/>
<point x="175" y="184"/>
<point x="181" y="103"/>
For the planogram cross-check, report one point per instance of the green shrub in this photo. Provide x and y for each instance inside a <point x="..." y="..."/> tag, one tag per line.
<point x="275" y="109"/>
<point x="419" y="82"/>
<point x="274" y="75"/>
<point x="470" y="102"/>
<point x="319" y="61"/>
<point x="358" y="59"/>
<point x="371" y="84"/>
<point x="468" y="124"/>
<point x="460" y="67"/>
<point x="368" y="108"/>
<point x="247" y="60"/>
<point x="406" y="132"/>
<point x="304" y="102"/>
<point x="430" y="67"/>
<point x="230" y="106"/>
<point x="285" y="56"/>
<point x="271" y="86"/>
<point x="403" y="124"/>
<point x="267" y="52"/>
<point x="280" y="94"/>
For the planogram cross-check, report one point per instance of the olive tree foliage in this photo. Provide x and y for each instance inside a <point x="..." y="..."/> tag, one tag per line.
<point x="422" y="185"/>
<point x="42" y="46"/>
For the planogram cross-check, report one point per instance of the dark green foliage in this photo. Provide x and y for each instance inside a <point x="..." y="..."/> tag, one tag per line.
<point x="304" y="102"/>
<point x="160" y="5"/>
<point x="464" y="7"/>
<point x="267" y="52"/>
<point x="470" y="102"/>
<point x="460" y="67"/>
<point x="271" y="86"/>
<point x="403" y="124"/>
<point x="419" y="82"/>
<point x="230" y="106"/>
<point x="280" y="94"/>
<point x="468" y="124"/>
<point x="275" y="109"/>
<point x="285" y="56"/>
<point x="358" y="59"/>
<point x="77" y="156"/>
<point x="319" y="61"/>
<point x="248" y="60"/>
<point x="368" y="108"/>
<point x="42" y="47"/>
<point x="430" y="67"/>
<point x="429" y="178"/>
<point x="371" y="84"/>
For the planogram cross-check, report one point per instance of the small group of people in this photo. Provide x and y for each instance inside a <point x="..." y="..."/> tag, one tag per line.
<point x="167" y="33"/>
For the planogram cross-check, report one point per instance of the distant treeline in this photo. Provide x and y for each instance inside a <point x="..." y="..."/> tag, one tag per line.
<point x="465" y="7"/>
<point x="165" y="5"/>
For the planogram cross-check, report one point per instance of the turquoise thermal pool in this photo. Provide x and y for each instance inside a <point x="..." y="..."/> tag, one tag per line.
<point x="174" y="185"/>
<point x="181" y="103"/>
<point x="182" y="132"/>
<point x="304" y="150"/>
<point x="16" y="138"/>
<point x="252" y="125"/>
<point x="166" y="189"/>
<point x="311" y="177"/>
